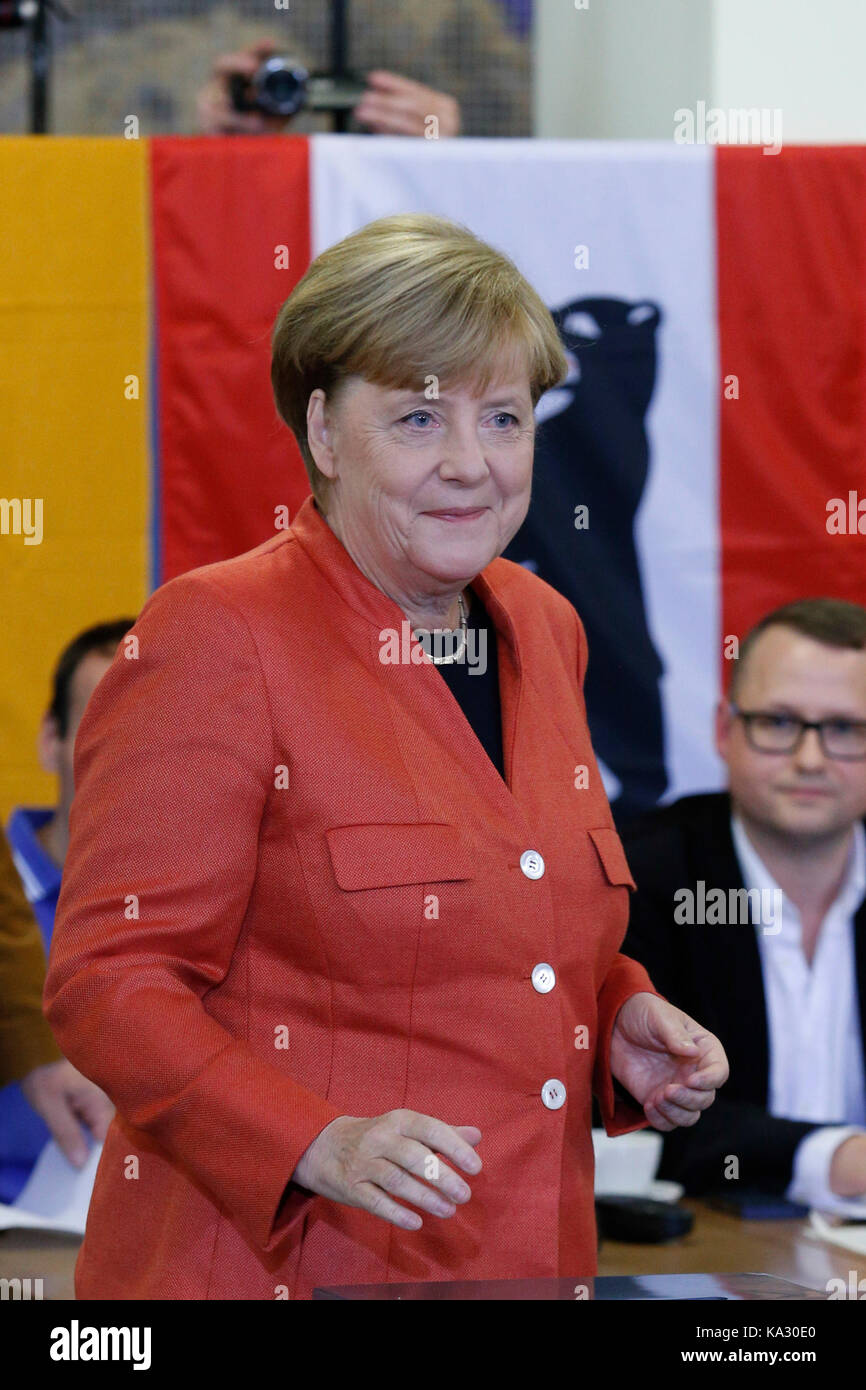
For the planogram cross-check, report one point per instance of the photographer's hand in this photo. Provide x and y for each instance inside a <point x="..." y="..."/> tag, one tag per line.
<point x="394" y="105"/>
<point x="216" y="114"/>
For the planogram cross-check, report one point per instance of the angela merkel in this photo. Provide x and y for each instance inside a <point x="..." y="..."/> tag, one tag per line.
<point x="340" y="919"/>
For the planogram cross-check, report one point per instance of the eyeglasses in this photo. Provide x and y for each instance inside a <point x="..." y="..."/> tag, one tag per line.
<point x="768" y="732"/>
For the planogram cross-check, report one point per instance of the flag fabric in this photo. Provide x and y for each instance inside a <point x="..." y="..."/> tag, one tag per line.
<point x="711" y="305"/>
<point x="74" y="438"/>
<point x="702" y="463"/>
<point x="618" y="240"/>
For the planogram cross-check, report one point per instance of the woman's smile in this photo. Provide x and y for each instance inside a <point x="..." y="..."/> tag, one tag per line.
<point x="458" y="514"/>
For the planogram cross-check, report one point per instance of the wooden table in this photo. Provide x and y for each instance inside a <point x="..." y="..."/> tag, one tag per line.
<point x="718" y="1243"/>
<point x="44" y="1255"/>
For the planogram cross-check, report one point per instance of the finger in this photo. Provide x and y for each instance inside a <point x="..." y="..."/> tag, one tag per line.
<point x="467" y="1132"/>
<point x="416" y="1158"/>
<point x="441" y="1138"/>
<point x="218" y="117"/>
<point x="712" y="1060"/>
<point x="397" y="104"/>
<point x="243" y="63"/>
<point x="656" y="1119"/>
<point x="666" y="1030"/>
<point x="236" y="65"/>
<point x="385" y="120"/>
<point x="208" y="120"/>
<point x="689" y="1098"/>
<point x="412" y="100"/>
<point x="392" y="82"/>
<point x="212" y="98"/>
<point x="708" y="1078"/>
<point x="680" y="1040"/>
<point x="394" y="1180"/>
<point x="702" y="1036"/>
<point x="373" y="1199"/>
<point x="96" y="1111"/>
<point x="260" y="47"/>
<point x="676" y="1113"/>
<point x="60" y="1118"/>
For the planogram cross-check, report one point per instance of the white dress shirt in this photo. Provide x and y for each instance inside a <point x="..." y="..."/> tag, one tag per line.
<point x="813" y="1020"/>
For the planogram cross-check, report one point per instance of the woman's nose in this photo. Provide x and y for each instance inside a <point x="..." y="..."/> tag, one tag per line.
<point x="464" y="457"/>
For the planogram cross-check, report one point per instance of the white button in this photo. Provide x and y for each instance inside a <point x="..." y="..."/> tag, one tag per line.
<point x="553" y="1094"/>
<point x="532" y="863"/>
<point x="543" y="978"/>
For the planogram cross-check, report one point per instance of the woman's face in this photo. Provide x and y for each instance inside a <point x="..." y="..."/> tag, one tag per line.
<point x="427" y="492"/>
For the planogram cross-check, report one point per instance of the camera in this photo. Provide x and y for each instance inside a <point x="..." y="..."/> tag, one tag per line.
<point x="281" y="86"/>
<point x="15" y="13"/>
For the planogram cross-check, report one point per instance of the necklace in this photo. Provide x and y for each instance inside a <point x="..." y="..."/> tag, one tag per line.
<point x="455" y="656"/>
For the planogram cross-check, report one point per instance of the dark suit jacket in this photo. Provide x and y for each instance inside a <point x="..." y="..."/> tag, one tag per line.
<point x="714" y="974"/>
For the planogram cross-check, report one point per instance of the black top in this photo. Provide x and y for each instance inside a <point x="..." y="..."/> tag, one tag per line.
<point x="474" y="680"/>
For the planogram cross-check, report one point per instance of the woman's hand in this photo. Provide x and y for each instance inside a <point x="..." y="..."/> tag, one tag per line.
<point x="360" y="1162"/>
<point x="667" y="1061"/>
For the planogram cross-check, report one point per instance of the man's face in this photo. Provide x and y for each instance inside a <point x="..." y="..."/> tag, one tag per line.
<point x="804" y="794"/>
<point x="57" y="751"/>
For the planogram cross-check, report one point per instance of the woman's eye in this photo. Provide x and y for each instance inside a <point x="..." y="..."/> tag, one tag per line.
<point x="503" y="418"/>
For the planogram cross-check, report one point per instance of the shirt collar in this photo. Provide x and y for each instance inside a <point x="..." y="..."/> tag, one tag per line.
<point x="39" y="873"/>
<point x="852" y="889"/>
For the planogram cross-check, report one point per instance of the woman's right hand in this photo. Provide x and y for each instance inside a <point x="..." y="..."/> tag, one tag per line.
<point x="367" y="1163"/>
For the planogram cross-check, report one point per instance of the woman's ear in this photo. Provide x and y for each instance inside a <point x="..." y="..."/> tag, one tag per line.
<point x="318" y="433"/>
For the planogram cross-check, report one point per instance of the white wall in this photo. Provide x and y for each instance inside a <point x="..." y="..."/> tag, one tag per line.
<point x="805" y="57"/>
<point x="619" y="69"/>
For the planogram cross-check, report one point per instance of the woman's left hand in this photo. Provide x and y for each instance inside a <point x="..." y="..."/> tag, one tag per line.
<point x="668" y="1062"/>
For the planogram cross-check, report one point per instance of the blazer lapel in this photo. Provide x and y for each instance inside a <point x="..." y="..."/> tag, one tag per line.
<point x="860" y="968"/>
<point x="379" y="613"/>
<point x="730" y="954"/>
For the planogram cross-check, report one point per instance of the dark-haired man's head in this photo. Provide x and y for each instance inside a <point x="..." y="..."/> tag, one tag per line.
<point x="80" y="668"/>
<point x="804" y="661"/>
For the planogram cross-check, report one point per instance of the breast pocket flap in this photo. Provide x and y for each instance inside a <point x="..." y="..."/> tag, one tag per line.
<point x="383" y="856"/>
<point x="612" y="856"/>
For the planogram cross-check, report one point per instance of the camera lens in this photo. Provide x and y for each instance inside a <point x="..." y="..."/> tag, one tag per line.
<point x="280" y="86"/>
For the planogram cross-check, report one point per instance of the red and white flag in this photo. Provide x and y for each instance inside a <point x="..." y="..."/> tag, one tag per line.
<point x="711" y="427"/>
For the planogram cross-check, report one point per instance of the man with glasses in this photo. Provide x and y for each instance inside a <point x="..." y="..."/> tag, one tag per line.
<point x="750" y="915"/>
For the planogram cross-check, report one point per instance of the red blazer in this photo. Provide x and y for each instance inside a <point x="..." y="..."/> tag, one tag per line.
<point x="294" y="891"/>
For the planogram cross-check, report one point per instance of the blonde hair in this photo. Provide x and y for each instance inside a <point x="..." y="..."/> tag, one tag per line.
<point x="403" y="299"/>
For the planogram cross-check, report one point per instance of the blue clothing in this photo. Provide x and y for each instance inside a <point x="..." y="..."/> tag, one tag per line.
<point x="37" y="870"/>
<point x="23" y="1133"/>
